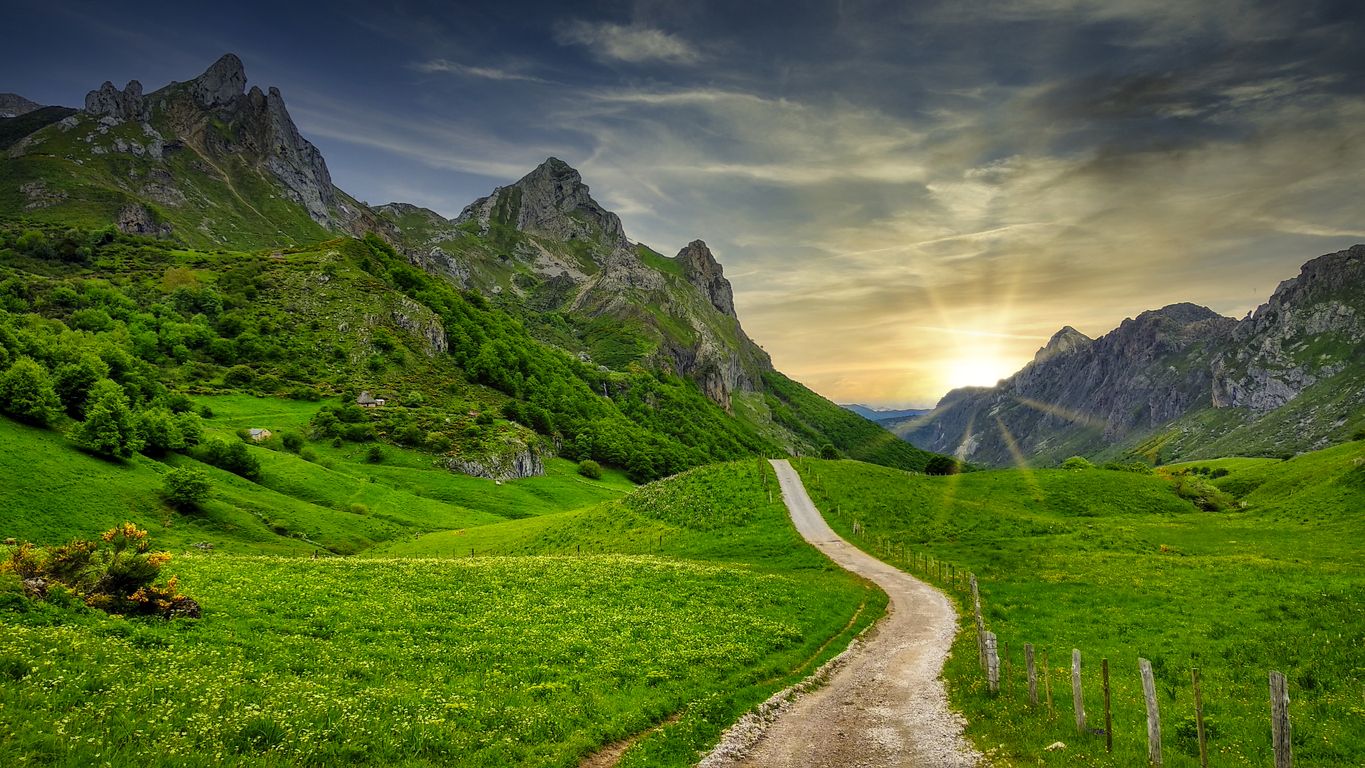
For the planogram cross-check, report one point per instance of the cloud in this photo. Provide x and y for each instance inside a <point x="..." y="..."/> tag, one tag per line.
<point x="465" y="70"/>
<point x="634" y="44"/>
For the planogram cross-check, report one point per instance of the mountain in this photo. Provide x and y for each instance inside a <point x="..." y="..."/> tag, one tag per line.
<point x="885" y="416"/>
<point x="1178" y="382"/>
<point x="532" y="303"/>
<point x="205" y="161"/>
<point x="14" y="105"/>
<point x="544" y="244"/>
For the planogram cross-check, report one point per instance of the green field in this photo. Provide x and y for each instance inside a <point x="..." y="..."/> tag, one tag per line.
<point x="1117" y="565"/>
<point x="519" y="659"/>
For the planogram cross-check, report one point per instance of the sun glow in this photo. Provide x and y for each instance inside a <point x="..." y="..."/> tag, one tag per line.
<point x="975" y="371"/>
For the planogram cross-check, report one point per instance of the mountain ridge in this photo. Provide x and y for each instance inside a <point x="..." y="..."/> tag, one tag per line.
<point x="1175" y="382"/>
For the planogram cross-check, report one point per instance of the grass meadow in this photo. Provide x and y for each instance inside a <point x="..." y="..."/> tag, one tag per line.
<point x="528" y="654"/>
<point x="1117" y="565"/>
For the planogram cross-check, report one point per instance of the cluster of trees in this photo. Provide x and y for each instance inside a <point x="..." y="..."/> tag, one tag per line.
<point x="51" y="375"/>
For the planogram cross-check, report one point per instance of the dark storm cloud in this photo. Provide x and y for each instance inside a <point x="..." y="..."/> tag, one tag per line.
<point x="894" y="188"/>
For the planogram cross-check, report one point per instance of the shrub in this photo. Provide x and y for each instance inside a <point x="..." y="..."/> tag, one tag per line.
<point x="186" y="488"/>
<point x="942" y="465"/>
<point x="1077" y="463"/>
<point x="239" y="376"/>
<point x="205" y="412"/>
<point x="828" y="451"/>
<point x="438" y="442"/>
<point x="232" y="456"/>
<point x="26" y="393"/>
<point x="117" y="574"/>
<point x="375" y="454"/>
<point x="590" y="469"/>
<point x="308" y="454"/>
<point x="292" y="441"/>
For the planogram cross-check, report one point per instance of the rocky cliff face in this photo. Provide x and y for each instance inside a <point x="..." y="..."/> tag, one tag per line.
<point x="1297" y="338"/>
<point x="1155" y="373"/>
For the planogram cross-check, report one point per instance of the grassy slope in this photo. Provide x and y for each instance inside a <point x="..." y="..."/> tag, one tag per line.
<point x="1116" y="565"/>
<point x="519" y="660"/>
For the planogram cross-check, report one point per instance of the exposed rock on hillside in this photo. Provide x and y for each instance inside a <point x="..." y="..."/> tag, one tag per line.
<point x="1295" y="339"/>
<point x="117" y="105"/>
<point x="702" y="270"/>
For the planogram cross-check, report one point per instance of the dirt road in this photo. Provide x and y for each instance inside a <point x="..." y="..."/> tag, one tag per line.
<point x="885" y="705"/>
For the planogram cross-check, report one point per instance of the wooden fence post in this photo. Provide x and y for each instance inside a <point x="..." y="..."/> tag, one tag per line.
<point x="1153" y="716"/>
<point x="1047" y="686"/>
<point x="980" y="625"/>
<point x="1077" y="701"/>
<point x="1032" y="675"/>
<point x="1108" y="716"/>
<point x="1199" y="719"/>
<point x="1279" y="720"/>
<point x="992" y="664"/>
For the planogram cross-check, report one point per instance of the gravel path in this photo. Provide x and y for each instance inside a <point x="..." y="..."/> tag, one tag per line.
<point x="883" y="703"/>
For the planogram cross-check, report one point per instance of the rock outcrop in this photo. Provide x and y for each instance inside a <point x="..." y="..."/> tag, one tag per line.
<point x="118" y="106"/>
<point x="703" y="271"/>
<point x="517" y="461"/>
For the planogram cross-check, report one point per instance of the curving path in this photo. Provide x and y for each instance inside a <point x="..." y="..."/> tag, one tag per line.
<point x="885" y="706"/>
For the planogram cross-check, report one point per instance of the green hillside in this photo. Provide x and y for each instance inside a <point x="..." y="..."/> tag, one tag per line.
<point x="519" y="659"/>
<point x="1120" y="566"/>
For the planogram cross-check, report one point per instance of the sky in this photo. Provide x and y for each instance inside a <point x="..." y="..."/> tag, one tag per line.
<point x="907" y="196"/>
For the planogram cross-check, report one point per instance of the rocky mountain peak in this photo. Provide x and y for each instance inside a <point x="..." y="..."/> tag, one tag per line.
<point x="702" y="270"/>
<point x="1066" y="340"/>
<point x="221" y="83"/>
<point x="14" y="105"/>
<point x="110" y="102"/>
<point x="551" y="201"/>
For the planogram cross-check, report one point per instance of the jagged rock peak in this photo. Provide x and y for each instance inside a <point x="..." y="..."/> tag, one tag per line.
<point x="1066" y="340"/>
<point x="221" y="83"/>
<point x="550" y="201"/>
<point x="702" y="270"/>
<point x="109" y="101"/>
<point x="14" y="105"/>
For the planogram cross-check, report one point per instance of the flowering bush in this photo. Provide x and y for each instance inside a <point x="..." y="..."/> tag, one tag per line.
<point x="116" y="574"/>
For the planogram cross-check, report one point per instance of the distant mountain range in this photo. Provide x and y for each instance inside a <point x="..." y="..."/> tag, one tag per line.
<point x="213" y="165"/>
<point x="885" y="415"/>
<point x="1178" y="382"/>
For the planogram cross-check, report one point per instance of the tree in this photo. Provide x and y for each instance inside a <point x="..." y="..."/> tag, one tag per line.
<point x="26" y="393"/>
<point x="590" y="469"/>
<point x="191" y="428"/>
<point x="186" y="487"/>
<point x="828" y="451"/>
<point x="1077" y="463"/>
<point x="74" y="380"/>
<point x="942" y="465"/>
<point x="109" y="427"/>
<point x="160" y="431"/>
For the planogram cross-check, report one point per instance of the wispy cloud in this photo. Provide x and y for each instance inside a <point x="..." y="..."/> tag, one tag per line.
<point x="629" y="43"/>
<point x="464" y="70"/>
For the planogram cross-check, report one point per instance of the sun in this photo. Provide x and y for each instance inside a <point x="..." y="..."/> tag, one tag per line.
<point x="975" y="371"/>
